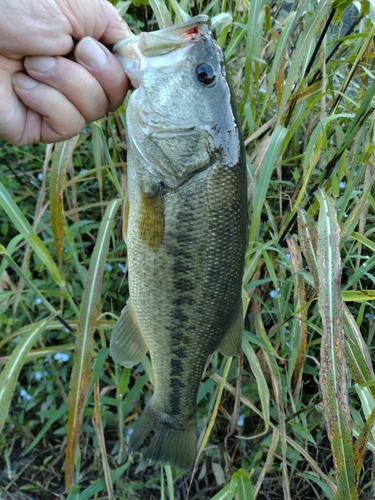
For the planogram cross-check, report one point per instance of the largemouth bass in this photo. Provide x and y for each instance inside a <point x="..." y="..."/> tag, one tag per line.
<point x="185" y="229"/>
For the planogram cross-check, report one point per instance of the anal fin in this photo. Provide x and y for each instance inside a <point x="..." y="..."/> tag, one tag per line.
<point x="127" y="345"/>
<point x="231" y="343"/>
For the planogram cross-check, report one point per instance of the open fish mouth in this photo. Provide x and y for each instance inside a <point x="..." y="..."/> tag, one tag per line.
<point x="149" y="49"/>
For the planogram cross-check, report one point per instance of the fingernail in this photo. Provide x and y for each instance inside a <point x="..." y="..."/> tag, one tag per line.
<point x="42" y="64"/>
<point x="23" y="81"/>
<point x="90" y="53"/>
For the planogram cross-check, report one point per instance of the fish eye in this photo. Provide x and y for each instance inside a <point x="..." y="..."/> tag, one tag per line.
<point x="205" y="73"/>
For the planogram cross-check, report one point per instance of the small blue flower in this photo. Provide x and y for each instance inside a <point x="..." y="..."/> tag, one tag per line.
<point x="287" y="255"/>
<point x="38" y="300"/>
<point x="61" y="356"/>
<point x="38" y="375"/>
<point x="108" y="267"/>
<point x="129" y="432"/>
<point x="24" y="394"/>
<point x="40" y="176"/>
<point x="273" y="294"/>
<point x="82" y="171"/>
<point x="122" y="267"/>
<point x="342" y="185"/>
<point x="241" y="420"/>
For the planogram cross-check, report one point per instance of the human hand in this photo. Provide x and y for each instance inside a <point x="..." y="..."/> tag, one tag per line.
<point x="44" y="96"/>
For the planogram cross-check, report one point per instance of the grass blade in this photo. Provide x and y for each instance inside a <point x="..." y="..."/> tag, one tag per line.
<point x="98" y="426"/>
<point x="361" y="364"/>
<point x="81" y="373"/>
<point x="27" y="280"/>
<point x="308" y="35"/>
<point x="333" y="364"/>
<point x="9" y="374"/>
<point x="112" y="170"/>
<point x="169" y="476"/>
<point x="99" y="485"/>
<point x="259" y="193"/>
<point x="57" y="414"/>
<point x="60" y="161"/>
<point x="23" y="227"/>
<point x="301" y="316"/>
<point x="360" y="444"/>
<point x="244" y="488"/>
<point x="161" y="13"/>
<point x="215" y="410"/>
<point x="263" y="391"/>
<point x="308" y="238"/>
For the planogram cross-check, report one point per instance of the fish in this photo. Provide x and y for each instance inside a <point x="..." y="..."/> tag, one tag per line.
<point x="185" y="227"/>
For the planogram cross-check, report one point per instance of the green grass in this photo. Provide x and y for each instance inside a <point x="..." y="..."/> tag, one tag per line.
<point x="292" y="416"/>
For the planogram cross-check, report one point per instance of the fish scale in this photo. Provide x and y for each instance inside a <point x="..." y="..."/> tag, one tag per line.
<point x="186" y="231"/>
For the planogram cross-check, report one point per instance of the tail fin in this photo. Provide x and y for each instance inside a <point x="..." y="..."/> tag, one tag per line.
<point x="169" y="446"/>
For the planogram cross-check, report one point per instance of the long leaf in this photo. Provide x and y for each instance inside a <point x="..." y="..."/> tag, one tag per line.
<point x="81" y="374"/>
<point x="308" y="238"/>
<point x="57" y="414"/>
<point x="60" y="160"/>
<point x="263" y="391"/>
<point x="11" y="371"/>
<point x="304" y="40"/>
<point x="269" y="162"/>
<point x="161" y="12"/>
<point x="360" y="445"/>
<point x="24" y="227"/>
<point x="333" y="364"/>
<point x="27" y="280"/>
<point x="99" y="485"/>
<point x="244" y="488"/>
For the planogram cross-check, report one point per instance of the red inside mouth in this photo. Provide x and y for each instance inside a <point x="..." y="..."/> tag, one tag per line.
<point x="194" y="33"/>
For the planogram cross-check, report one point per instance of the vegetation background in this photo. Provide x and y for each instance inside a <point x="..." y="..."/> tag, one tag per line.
<point x="292" y="417"/>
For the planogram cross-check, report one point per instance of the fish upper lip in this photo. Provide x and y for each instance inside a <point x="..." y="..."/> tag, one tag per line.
<point x="149" y="49"/>
<point x="166" y="40"/>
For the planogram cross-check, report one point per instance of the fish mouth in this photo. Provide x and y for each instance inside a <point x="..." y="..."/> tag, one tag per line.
<point x="149" y="49"/>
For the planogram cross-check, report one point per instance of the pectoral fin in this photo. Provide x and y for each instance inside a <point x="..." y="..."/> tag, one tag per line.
<point x="231" y="343"/>
<point x="151" y="219"/>
<point x="125" y="219"/>
<point x="127" y="345"/>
